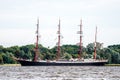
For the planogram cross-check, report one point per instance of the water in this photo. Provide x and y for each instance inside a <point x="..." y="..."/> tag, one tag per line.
<point x="60" y="73"/>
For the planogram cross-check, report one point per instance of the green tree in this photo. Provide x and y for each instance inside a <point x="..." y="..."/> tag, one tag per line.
<point x="49" y="56"/>
<point x="7" y="58"/>
<point x="1" y="58"/>
<point x="90" y="48"/>
<point x="67" y="56"/>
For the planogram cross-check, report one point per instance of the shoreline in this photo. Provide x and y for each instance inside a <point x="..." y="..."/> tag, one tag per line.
<point x="10" y="64"/>
<point x="112" y="64"/>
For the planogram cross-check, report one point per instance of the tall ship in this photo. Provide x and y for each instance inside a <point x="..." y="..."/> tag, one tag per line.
<point x="59" y="62"/>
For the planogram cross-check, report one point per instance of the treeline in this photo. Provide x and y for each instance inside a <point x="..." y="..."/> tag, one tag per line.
<point x="8" y="55"/>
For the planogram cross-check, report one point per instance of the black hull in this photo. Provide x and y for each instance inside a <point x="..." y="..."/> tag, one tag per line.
<point x="31" y="63"/>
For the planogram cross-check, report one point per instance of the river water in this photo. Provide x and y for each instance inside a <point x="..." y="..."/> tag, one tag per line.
<point x="60" y="73"/>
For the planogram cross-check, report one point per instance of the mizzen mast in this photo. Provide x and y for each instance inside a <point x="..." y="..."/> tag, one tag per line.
<point x="95" y="44"/>
<point x="80" y="43"/>
<point x="58" y="44"/>
<point x="36" y="44"/>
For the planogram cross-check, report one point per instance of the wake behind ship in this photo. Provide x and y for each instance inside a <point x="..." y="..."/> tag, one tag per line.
<point x="58" y="61"/>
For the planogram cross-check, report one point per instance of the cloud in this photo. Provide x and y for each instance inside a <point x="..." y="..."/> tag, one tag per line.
<point x="11" y="37"/>
<point x="18" y="19"/>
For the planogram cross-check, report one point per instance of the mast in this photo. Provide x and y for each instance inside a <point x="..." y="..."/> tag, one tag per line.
<point x="80" y="43"/>
<point x="95" y="44"/>
<point x="58" y="48"/>
<point x="36" y="44"/>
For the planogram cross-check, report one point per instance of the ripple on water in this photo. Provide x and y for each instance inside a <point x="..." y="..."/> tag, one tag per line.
<point x="60" y="73"/>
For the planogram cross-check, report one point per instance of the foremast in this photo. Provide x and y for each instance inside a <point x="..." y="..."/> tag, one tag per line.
<point x="58" y="44"/>
<point x="80" y="43"/>
<point x="36" y="44"/>
<point x="95" y="44"/>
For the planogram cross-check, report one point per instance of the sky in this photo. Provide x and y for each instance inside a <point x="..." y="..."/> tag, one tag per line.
<point x="18" y="19"/>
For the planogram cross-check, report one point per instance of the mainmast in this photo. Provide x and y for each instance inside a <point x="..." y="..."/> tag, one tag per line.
<point x="36" y="44"/>
<point x="95" y="44"/>
<point x="59" y="35"/>
<point x="80" y="43"/>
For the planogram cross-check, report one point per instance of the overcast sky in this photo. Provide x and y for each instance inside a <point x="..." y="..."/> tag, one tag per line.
<point x="18" y="20"/>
